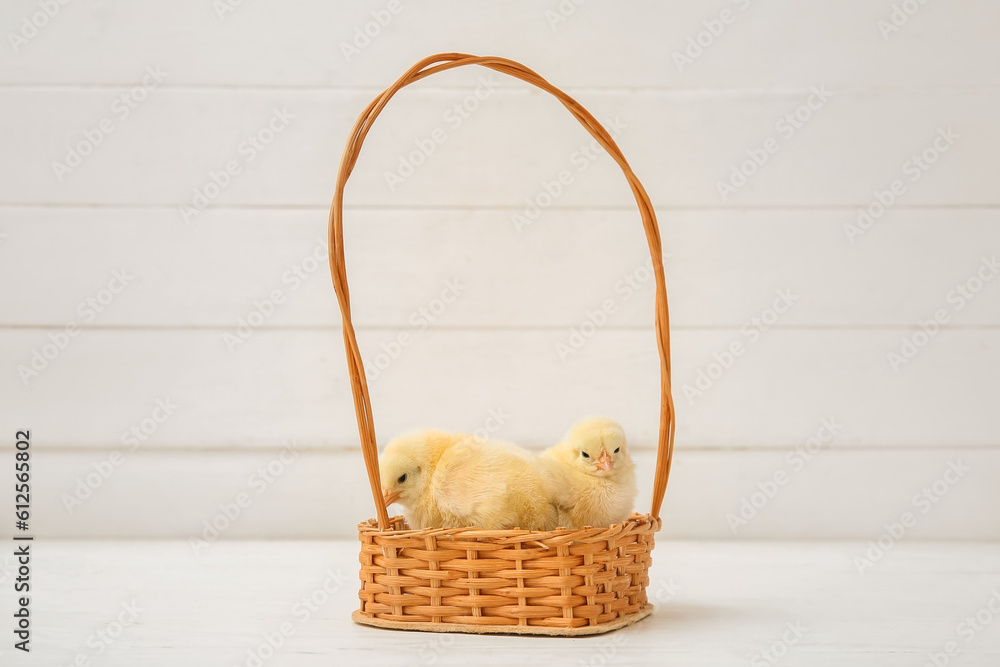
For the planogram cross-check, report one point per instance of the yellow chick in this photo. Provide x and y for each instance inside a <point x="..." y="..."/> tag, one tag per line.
<point x="592" y="474"/>
<point x="457" y="480"/>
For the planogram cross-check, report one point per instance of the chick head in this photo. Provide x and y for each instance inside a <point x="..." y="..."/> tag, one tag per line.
<point x="405" y="468"/>
<point x="598" y="446"/>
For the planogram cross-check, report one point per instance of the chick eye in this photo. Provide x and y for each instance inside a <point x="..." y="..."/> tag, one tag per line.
<point x="402" y="478"/>
<point x="617" y="449"/>
<point x="585" y="455"/>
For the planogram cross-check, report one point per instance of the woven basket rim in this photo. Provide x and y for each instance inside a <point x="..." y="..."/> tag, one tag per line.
<point x="370" y="526"/>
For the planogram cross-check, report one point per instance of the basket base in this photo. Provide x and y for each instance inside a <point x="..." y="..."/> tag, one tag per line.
<point x="364" y="619"/>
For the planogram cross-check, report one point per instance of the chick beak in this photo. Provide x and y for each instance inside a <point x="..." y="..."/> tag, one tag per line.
<point x="604" y="461"/>
<point x="390" y="498"/>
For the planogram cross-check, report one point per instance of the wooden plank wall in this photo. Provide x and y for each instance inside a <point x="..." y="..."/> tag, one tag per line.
<point x="165" y="175"/>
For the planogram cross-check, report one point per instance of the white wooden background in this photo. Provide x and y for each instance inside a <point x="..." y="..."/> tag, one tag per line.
<point x="490" y="359"/>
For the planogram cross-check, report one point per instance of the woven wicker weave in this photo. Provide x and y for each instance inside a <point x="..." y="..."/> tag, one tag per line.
<point x="560" y="582"/>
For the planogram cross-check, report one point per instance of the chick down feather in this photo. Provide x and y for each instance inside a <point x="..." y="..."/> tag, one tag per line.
<point x="457" y="480"/>
<point x="592" y="474"/>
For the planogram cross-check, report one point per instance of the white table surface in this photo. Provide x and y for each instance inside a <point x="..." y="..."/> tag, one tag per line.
<point x="718" y="604"/>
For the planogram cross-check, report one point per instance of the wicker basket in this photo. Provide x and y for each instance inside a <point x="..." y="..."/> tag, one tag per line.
<point x="559" y="582"/>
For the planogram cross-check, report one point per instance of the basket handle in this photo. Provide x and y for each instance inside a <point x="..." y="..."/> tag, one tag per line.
<point x="338" y="270"/>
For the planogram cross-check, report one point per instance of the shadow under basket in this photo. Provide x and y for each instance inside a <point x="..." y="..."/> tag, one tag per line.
<point x="559" y="582"/>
